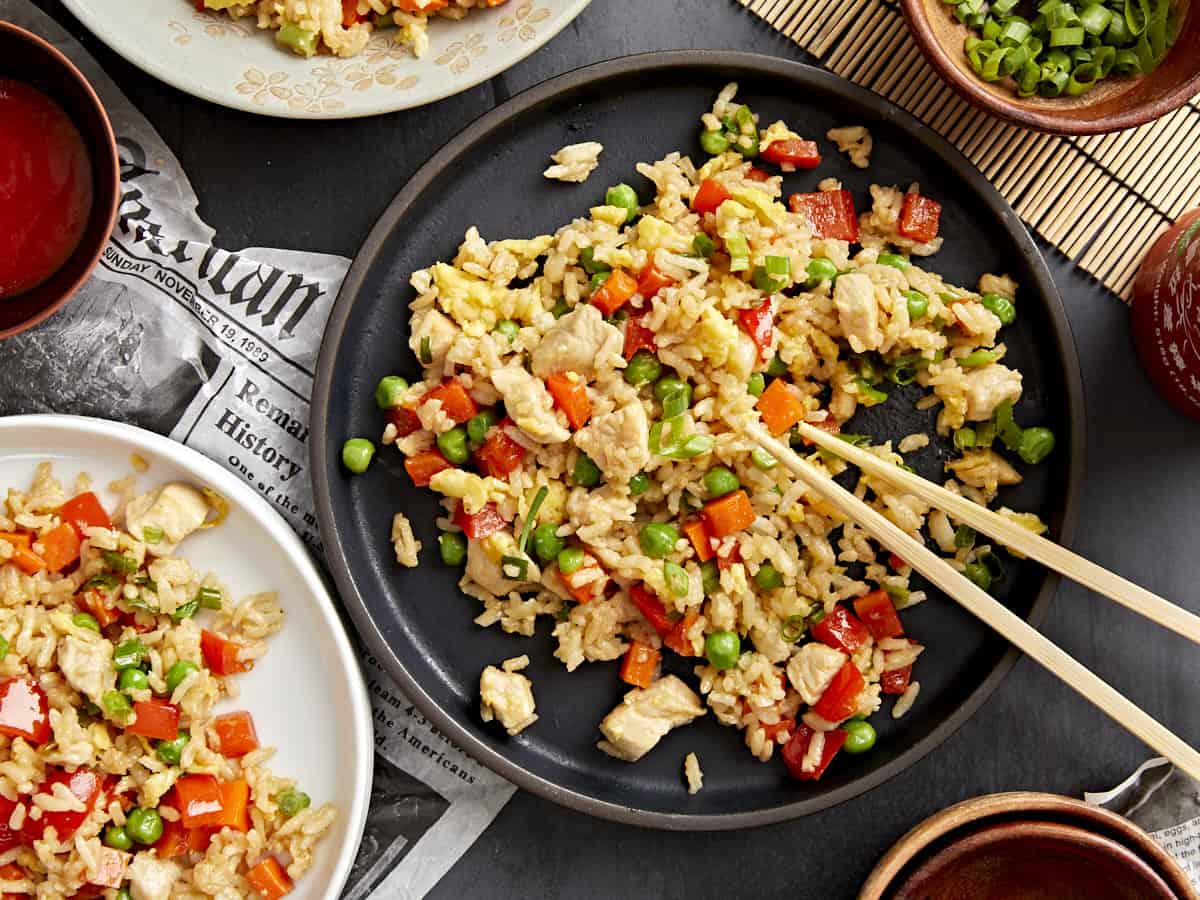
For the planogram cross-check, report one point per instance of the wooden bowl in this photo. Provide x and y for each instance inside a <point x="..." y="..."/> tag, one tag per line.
<point x="1112" y="105"/>
<point x="1026" y="846"/>
<point x="28" y="58"/>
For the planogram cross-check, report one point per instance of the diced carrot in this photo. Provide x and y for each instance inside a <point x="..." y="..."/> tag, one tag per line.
<point x="157" y="719"/>
<point x="421" y="467"/>
<point x="729" y="514"/>
<point x="110" y="871"/>
<point x="456" y="402"/>
<point x="678" y="640"/>
<point x="84" y="511"/>
<point x="222" y="655"/>
<point x="235" y="734"/>
<point x="639" y="664"/>
<point x="99" y="606"/>
<point x="269" y="879"/>
<point x="709" y="196"/>
<point x="637" y="337"/>
<point x="60" y="547"/>
<point x="235" y="805"/>
<point x="23" y="557"/>
<point x="615" y="292"/>
<point x="697" y="533"/>
<point x="570" y="395"/>
<point x="584" y="583"/>
<point x="420" y="6"/>
<point x="781" y="406"/>
<point x="651" y="281"/>
<point x="349" y="13"/>
<point x="200" y="801"/>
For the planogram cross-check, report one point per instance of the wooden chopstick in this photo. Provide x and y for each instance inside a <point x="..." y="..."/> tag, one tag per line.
<point x="1013" y="536"/>
<point x="983" y="606"/>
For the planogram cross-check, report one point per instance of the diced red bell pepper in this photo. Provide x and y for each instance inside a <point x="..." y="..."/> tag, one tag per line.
<point x="895" y="681"/>
<point x="583" y="583"/>
<point x="697" y="533"/>
<point x="896" y="563"/>
<point x="173" y="841"/>
<point x="829" y="425"/>
<point x="840" y="700"/>
<point x="60" y="547"/>
<point x="774" y="729"/>
<point x="156" y="719"/>
<point x="483" y="523"/>
<point x="796" y="749"/>
<point x="755" y="174"/>
<point x="570" y="395"/>
<point x="727" y="560"/>
<point x="729" y="514"/>
<point x="199" y="800"/>
<point x="350" y="14"/>
<point x="879" y="615"/>
<point x="651" y="281"/>
<point x="678" y="640"/>
<point x="406" y="420"/>
<point x="831" y="213"/>
<point x="639" y="665"/>
<point x="84" y="511"/>
<point x="920" y="218"/>
<point x="652" y="609"/>
<point x="222" y="655"/>
<point x="86" y="785"/>
<point x="14" y="872"/>
<point x="615" y="292"/>
<point x="421" y="467"/>
<point x="841" y="630"/>
<point x="759" y="323"/>
<point x="269" y="879"/>
<point x="456" y="402"/>
<point x="500" y="455"/>
<point x="709" y="196"/>
<point x="235" y="734"/>
<point x="99" y="605"/>
<point x="637" y="337"/>
<point x="110" y="871"/>
<point x="24" y="710"/>
<point x="795" y="152"/>
<point x="9" y="838"/>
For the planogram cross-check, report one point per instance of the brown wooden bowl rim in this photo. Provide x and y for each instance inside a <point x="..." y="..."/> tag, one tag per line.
<point x="103" y="142"/>
<point x="915" y="16"/>
<point x="1021" y="803"/>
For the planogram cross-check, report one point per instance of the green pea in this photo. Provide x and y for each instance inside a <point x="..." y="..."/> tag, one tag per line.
<point x="453" y="548"/>
<point x="978" y="573"/>
<point x="560" y="309"/>
<point x="586" y="473"/>
<point x="117" y="837"/>
<point x="546" y="542"/>
<point x="171" y="752"/>
<point x="643" y="368"/>
<point x="570" y="560"/>
<point x="710" y="576"/>
<point x="389" y="391"/>
<point x="676" y="578"/>
<point x="179" y="671"/>
<point x="479" y="425"/>
<point x="624" y="196"/>
<point x="144" y="825"/>
<point x="756" y="385"/>
<point x="674" y="394"/>
<point x="357" y="454"/>
<point x="83" y="620"/>
<point x="860" y="736"/>
<point x="639" y="484"/>
<point x="763" y="459"/>
<point x="1001" y="307"/>
<point x="508" y="328"/>
<point x="714" y="142"/>
<point x="453" y="444"/>
<point x="720" y="480"/>
<point x="133" y="680"/>
<point x="918" y="305"/>
<point x="964" y="537"/>
<point x="768" y="577"/>
<point x="298" y="40"/>
<point x="291" y="801"/>
<point x="964" y="438"/>
<point x="777" y="368"/>
<point x="895" y="260"/>
<point x="658" y="539"/>
<point x="1036" y="444"/>
<point x="723" y="649"/>
<point x="820" y="269"/>
<point x="703" y="245"/>
<point x="591" y="265"/>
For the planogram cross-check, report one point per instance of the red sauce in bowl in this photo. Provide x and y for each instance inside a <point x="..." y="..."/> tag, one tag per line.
<point x="45" y="187"/>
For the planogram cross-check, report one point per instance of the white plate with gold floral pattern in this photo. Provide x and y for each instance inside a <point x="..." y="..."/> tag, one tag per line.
<point x="232" y="63"/>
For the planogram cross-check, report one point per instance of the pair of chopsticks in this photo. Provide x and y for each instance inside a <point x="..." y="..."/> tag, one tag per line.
<point x="977" y="601"/>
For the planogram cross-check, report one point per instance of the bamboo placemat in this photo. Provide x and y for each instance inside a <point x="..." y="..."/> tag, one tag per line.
<point x="1100" y="200"/>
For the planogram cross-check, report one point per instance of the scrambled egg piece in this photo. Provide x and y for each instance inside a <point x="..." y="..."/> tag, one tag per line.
<point x="477" y="305"/>
<point x="729" y="215"/>
<point x="770" y="212"/>
<point x="776" y="131"/>
<point x="613" y="215"/>
<point x="714" y="336"/>
<point x="653" y="233"/>
<point x="525" y="250"/>
<point x="474" y="491"/>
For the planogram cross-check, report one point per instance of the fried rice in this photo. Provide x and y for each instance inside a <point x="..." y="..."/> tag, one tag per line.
<point x="118" y="777"/>
<point x="580" y="412"/>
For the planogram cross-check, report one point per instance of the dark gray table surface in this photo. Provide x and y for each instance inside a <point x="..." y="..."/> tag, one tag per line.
<point x="1139" y="515"/>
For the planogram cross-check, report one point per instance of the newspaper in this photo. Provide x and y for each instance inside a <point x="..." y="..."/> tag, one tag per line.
<point x="217" y="349"/>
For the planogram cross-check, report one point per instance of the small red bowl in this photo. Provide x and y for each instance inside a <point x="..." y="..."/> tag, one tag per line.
<point x="26" y="57"/>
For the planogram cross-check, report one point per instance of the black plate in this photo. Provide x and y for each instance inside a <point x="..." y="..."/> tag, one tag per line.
<point x="419" y="624"/>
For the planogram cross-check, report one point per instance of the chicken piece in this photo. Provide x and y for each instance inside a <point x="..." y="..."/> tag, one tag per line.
<point x="811" y="669"/>
<point x="508" y="697"/>
<point x="485" y="564"/>
<point x="998" y="284"/>
<point x="440" y="330"/>
<point x="151" y="878"/>
<point x="581" y="341"/>
<point x="855" y="141"/>
<point x="530" y="405"/>
<point x="858" y="311"/>
<point x="617" y="441"/>
<point x="743" y="356"/>
<point x="975" y="319"/>
<point x="87" y="666"/>
<point x="645" y="715"/>
<point x="176" y="510"/>
<point x="984" y="469"/>
<point x="575" y="162"/>
<point x="988" y="387"/>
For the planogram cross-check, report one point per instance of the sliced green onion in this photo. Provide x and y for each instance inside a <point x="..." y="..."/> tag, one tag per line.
<point x="1054" y="84"/>
<point x="511" y="564"/>
<point x="1067" y="37"/>
<point x="985" y="435"/>
<point x="1015" y="30"/>
<point x="186" y="611"/>
<point x="3" y="648"/>
<point x="1006" y="427"/>
<point x="103" y="581"/>
<point x="739" y="253"/>
<point x="964" y="439"/>
<point x="1083" y="79"/>
<point x="1095" y="19"/>
<point x="1137" y="16"/>
<point x="792" y="628"/>
<point x="119" y="562"/>
<point x="898" y="594"/>
<point x="867" y="395"/>
<point x="152" y="534"/>
<point x="426" y="354"/>
<point x="763" y="459"/>
<point x="978" y="358"/>
<point x="703" y="245"/>
<point x="117" y="706"/>
<point x="209" y="597"/>
<point x="538" y="499"/>
<point x="964" y="537"/>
